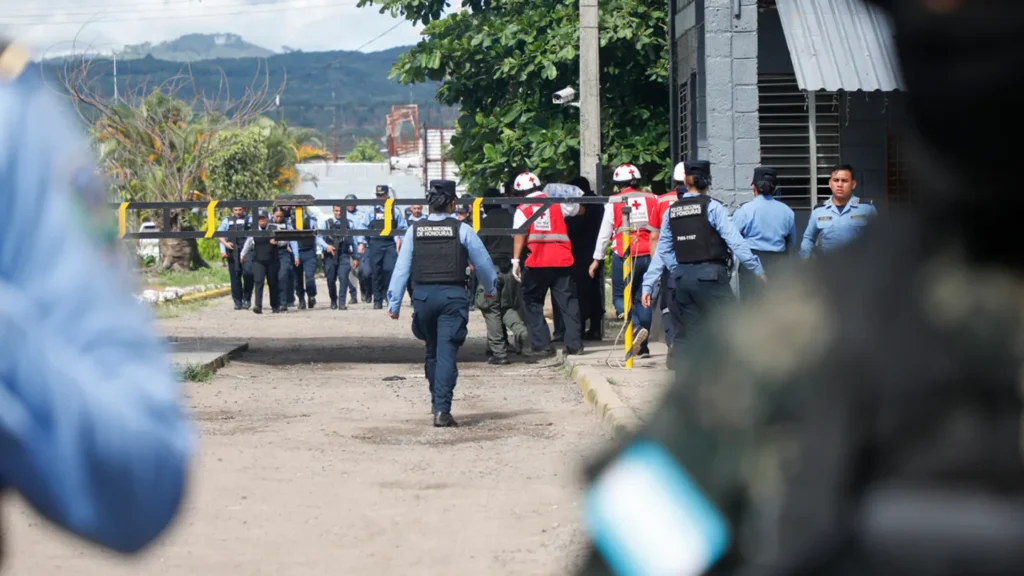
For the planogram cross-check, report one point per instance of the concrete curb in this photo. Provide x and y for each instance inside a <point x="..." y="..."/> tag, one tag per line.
<point x="219" y="361"/>
<point x="601" y="396"/>
<point x="200" y="296"/>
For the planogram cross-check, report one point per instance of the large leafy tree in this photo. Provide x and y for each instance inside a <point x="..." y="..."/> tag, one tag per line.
<point x="499" y="61"/>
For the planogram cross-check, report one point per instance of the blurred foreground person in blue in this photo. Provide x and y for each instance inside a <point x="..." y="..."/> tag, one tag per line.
<point x="863" y="417"/>
<point x="436" y="252"/>
<point x="92" y="430"/>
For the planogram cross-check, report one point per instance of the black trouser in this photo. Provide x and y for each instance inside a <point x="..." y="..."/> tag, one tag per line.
<point x="750" y="286"/>
<point x="701" y="289"/>
<point x="536" y="283"/>
<point x="266" y="271"/>
<point x="241" y="279"/>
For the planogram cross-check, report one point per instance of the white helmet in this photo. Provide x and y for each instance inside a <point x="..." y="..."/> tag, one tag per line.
<point x="679" y="172"/>
<point x="526" y="182"/>
<point x="625" y="173"/>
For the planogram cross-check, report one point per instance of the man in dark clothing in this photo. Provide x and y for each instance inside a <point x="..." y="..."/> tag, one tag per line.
<point x="590" y="293"/>
<point x="501" y="314"/>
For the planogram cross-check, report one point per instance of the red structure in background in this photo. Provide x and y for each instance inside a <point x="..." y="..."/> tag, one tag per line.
<point x="403" y="141"/>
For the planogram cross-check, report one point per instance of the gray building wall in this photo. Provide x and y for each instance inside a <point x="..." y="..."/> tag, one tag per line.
<point x="733" y="138"/>
<point x="689" y="61"/>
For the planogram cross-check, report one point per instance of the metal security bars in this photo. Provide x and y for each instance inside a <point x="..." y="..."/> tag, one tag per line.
<point x="684" y="122"/>
<point x="799" y="137"/>
<point x="212" y="222"/>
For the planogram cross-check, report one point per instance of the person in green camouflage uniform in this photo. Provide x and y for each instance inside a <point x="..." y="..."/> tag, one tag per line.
<point x="883" y="376"/>
<point x="501" y="314"/>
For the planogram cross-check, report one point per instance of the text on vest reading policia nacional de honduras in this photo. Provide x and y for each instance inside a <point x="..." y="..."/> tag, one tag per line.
<point x="431" y="231"/>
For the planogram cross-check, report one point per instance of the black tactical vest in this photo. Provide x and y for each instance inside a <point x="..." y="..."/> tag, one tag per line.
<point x="377" y="224"/>
<point x="499" y="247"/>
<point x="438" y="255"/>
<point x="238" y="225"/>
<point x="342" y="244"/>
<point x="307" y="243"/>
<point x="694" y="239"/>
<point x="263" y="250"/>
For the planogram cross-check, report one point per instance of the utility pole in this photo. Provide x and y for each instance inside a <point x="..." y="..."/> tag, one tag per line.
<point x="590" y="94"/>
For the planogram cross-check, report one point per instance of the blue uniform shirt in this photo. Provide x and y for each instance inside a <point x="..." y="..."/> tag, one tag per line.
<point x="767" y="224"/>
<point x="833" y="226"/>
<point x="665" y="254"/>
<point x="225" y="224"/>
<point x="287" y="225"/>
<point x="91" y="420"/>
<point x="478" y="257"/>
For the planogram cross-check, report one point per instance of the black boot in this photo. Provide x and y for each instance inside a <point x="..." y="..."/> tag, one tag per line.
<point x="238" y="304"/>
<point x="259" y="310"/>
<point x="302" y="303"/>
<point x="312" y="301"/>
<point x="353" y="300"/>
<point x="444" y="420"/>
<point x="334" y="304"/>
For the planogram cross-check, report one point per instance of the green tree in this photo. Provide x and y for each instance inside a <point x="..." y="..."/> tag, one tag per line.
<point x="365" y="151"/>
<point x="238" y="167"/>
<point x="499" y="61"/>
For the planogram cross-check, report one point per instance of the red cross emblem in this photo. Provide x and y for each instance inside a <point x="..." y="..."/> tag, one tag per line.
<point x="533" y="180"/>
<point x="636" y="204"/>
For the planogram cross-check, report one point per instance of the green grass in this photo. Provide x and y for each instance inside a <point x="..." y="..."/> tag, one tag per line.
<point x="174" y="309"/>
<point x="215" y="274"/>
<point x="196" y="373"/>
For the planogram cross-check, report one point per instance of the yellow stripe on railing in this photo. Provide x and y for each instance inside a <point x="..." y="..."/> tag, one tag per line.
<point x="389" y="214"/>
<point x="122" y="219"/>
<point x="298" y="218"/>
<point x="476" y="213"/>
<point x="211" y="219"/>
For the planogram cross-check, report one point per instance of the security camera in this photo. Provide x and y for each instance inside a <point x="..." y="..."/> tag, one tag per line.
<point x="564" y="96"/>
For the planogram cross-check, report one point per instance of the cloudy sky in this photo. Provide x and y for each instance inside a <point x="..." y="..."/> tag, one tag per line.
<point x="51" y="26"/>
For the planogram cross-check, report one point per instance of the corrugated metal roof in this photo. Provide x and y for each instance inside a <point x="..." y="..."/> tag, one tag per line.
<point x="840" y="45"/>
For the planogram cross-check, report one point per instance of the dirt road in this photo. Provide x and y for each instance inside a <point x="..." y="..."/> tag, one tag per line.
<point x="317" y="457"/>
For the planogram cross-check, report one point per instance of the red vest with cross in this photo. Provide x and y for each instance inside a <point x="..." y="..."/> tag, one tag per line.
<point x="664" y="201"/>
<point x="548" y="237"/>
<point x="642" y="205"/>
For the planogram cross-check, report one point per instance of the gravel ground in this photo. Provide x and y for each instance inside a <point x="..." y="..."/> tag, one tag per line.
<point x="317" y="457"/>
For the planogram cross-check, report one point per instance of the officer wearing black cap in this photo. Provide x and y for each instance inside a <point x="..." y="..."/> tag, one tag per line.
<point x="383" y="249"/>
<point x="501" y="314"/>
<point x="262" y="253"/>
<point x="694" y="243"/>
<point x="436" y="252"/>
<point x="768" y="226"/>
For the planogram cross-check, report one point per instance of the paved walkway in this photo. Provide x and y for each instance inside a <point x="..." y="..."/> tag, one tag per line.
<point x="639" y="388"/>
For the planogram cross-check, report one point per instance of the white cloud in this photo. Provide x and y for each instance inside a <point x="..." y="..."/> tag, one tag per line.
<point x="56" y="26"/>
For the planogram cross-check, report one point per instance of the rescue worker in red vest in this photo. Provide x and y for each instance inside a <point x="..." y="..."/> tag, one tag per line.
<point x="666" y="290"/>
<point x="614" y="227"/>
<point x="549" y="266"/>
<point x="694" y="243"/>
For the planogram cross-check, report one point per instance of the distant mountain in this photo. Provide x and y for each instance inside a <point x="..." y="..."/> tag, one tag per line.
<point x="349" y="91"/>
<point x="195" y="47"/>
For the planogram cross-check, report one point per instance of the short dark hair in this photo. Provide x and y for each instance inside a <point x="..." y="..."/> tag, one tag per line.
<point x="841" y="167"/>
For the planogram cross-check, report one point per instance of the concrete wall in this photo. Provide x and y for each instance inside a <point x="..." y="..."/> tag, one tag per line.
<point x="733" y="138"/>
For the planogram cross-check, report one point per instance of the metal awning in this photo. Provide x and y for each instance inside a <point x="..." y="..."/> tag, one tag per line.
<point x="840" y="45"/>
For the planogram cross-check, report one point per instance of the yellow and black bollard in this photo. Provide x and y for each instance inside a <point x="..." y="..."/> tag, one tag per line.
<point x="627" y="293"/>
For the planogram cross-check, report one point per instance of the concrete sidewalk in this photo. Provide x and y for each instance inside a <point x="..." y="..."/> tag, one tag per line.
<point x="193" y="353"/>
<point x="623" y="398"/>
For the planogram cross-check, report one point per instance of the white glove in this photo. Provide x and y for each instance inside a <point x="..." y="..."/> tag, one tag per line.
<point x="516" y="272"/>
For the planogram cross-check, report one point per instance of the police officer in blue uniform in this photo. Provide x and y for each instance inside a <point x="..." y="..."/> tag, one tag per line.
<point x="288" y="261"/>
<point x="768" y="226"/>
<point x="339" y="253"/>
<point x="261" y="254"/>
<point x="436" y="251"/>
<point x="838" y="220"/>
<point x="94" y="435"/>
<point x="694" y="243"/>
<point x="383" y="249"/>
<point x="230" y="251"/>
<point x="305" y="267"/>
